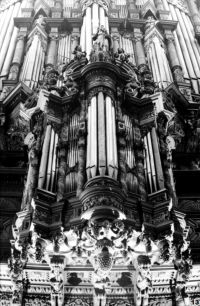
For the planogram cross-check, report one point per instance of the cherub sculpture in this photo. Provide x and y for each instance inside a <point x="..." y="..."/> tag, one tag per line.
<point x="78" y="53"/>
<point x="122" y="56"/>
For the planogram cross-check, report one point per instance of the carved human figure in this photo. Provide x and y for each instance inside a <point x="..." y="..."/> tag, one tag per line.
<point x="102" y="39"/>
<point x="14" y="70"/>
<point x="122" y="56"/>
<point x="56" y="278"/>
<point x="102" y="286"/>
<point x="78" y="53"/>
<point x="133" y="85"/>
<point x="40" y="21"/>
<point x="143" y="281"/>
<point x="150" y="23"/>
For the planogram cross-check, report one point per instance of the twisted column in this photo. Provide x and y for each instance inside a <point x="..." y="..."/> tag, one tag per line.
<point x="62" y="145"/>
<point x="139" y="156"/>
<point x="122" y="155"/>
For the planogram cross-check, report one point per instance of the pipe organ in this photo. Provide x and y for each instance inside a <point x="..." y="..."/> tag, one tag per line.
<point x="99" y="152"/>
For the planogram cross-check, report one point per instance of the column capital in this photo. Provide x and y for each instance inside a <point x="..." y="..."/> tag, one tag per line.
<point x="137" y="35"/>
<point x="75" y="37"/>
<point x="169" y="38"/>
<point x="137" y="24"/>
<point x="20" y="36"/>
<point x="115" y="37"/>
<point x="168" y="24"/>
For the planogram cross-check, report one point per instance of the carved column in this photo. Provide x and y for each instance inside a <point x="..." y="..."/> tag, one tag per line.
<point x="161" y="122"/>
<point x="174" y="60"/>
<point x="139" y="48"/>
<point x="15" y="266"/>
<point x="115" y="43"/>
<point x="52" y="52"/>
<point x="114" y="31"/>
<point x="32" y="177"/>
<point x="121" y="145"/>
<point x="17" y="59"/>
<point x="62" y="145"/>
<point x="76" y="30"/>
<point x="139" y="156"/>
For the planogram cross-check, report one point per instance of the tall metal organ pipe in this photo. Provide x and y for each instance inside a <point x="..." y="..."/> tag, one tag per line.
<point x="102" y="143"/>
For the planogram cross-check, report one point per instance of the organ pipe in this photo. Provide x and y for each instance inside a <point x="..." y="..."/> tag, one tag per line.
<point x="102" y="16"/>
<point x="44" y="158"/>
<point x="149" y="171"/>
<point x="109" y="135"/>
<point x="157" y="159"/>
<point x="152" y="160"/>
<point x="114" y="139"/>
<point x="88" y="143"/>
<point x="93" y="156"/>
<point x="50" y="158"/>
<point x="88" y="32"/>
<point x="95" y="19"/>
<point x="101" y="135"/>
<point x="53" y="170"/>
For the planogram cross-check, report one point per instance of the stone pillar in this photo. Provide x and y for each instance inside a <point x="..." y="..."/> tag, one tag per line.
<point x="114" y="29"/>
<point x="75" y="35"/>
<point x="139" y="48"/>
<point x="174" y="61"/>
<point x="17" y="59"/>
<point x="115" y="43"/>
<point x="52" y="52"/>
